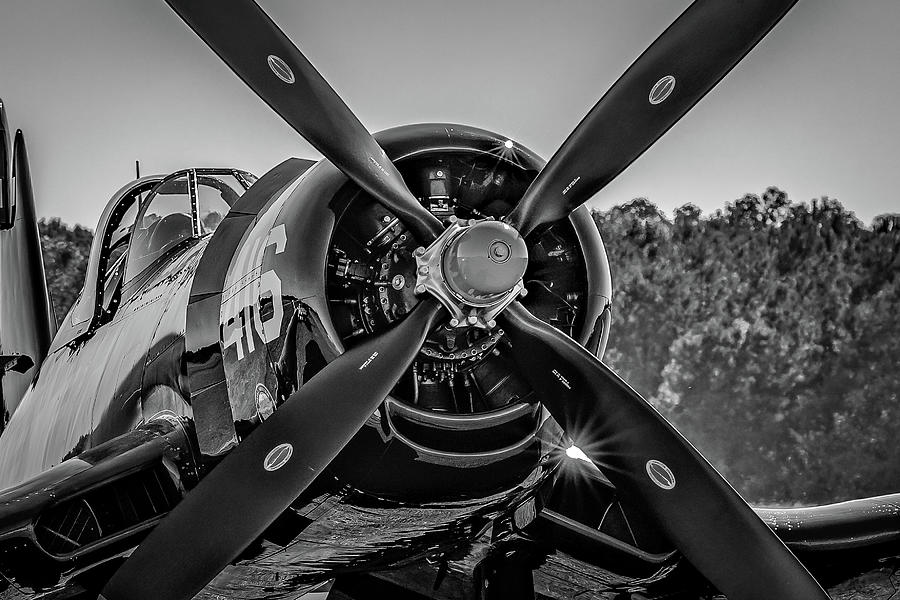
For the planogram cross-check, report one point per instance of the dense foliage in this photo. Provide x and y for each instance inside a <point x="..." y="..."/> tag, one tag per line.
<point x="769" y="332"/>
<point x="65" y="250"/>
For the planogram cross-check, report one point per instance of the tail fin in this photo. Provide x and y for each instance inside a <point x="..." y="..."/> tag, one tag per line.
<point x="6" y="214"/>
<point x="26" y="327"/>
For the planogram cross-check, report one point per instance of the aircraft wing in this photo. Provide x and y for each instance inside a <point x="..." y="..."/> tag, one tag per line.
<point x="587" y="543"/>
<point x="578" y="539"/>
<point x="106" y="496"/>
<point x="836" y="542"/>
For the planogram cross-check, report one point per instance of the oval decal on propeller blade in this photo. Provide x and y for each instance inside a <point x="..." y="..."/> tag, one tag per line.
<point x="661" y="89"/>
<point x="660" y="474"/>
<point x="280" y="68"/>
<point x="278" y="457"/>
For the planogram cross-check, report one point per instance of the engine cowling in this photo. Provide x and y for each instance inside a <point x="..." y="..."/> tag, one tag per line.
<point x="336" y="267"/>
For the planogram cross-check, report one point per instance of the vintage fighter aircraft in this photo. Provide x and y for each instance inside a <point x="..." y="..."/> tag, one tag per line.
<point x="334" y="373"/>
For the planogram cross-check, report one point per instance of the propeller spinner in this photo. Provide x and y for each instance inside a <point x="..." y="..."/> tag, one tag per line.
<point x="475" y="271"/>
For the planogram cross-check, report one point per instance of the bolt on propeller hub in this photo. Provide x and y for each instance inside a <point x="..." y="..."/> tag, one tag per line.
<point x="475" y="269"/>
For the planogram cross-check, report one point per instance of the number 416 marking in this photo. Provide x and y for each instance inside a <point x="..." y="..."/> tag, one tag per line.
<point x="242" y="308"/>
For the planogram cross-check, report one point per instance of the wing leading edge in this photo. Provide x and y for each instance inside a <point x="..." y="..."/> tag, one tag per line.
<point x="91" y="507"/>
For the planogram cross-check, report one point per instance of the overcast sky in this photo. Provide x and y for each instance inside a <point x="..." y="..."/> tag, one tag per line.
<point x="96" y="84"/>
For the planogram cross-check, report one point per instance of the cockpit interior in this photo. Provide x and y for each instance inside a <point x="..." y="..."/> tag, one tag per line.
<point x="186" y="205"/>
<point x="146" y="221"/>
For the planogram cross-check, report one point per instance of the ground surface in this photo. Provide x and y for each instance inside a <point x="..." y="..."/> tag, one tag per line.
<point x="882" y="584"/>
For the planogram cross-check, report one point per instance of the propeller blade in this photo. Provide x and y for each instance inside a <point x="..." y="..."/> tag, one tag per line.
<point x="249" y="42"/>
<point x="256" y="482"/>
<point x="655" y="468"/>
<point x="673" y="74"/>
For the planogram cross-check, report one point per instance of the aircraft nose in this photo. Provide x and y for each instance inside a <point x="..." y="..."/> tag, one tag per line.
<point x="485" y="260"/>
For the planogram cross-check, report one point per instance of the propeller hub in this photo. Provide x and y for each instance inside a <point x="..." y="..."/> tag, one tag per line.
<point x="475" y="269"/>
<point x="484" y="261"/>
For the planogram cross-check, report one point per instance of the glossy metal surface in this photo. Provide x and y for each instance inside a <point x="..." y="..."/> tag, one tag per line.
<point x="26" y="321"/>
<point x="85" y="311"/>
<point x="595" y="333"/>
<point x="6" y="212"/>
<point x="843" y="526"/>
<point x="656" y="468"/>
<point x="387" y="498"/>
<point x="485" y="260"/>
<point x="258" y="480"/>
<point x="93" y="388"/>
<point x="290" y="253"/>
<point x="286" y="234"/>
<point x="73" y="408"/>
<point x="205" y="368"/>
<point x="19" y="505"/>
<point x="458" y="260"/>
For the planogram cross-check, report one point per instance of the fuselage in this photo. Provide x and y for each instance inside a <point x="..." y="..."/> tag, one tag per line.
<point x="93" y="389"/>
<point x="210" y="335"/>
<point x="222" y="327"/>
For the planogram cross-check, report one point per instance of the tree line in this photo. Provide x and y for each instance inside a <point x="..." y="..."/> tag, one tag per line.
<point x="767" y="331"/>
<point x="65" y="252"/>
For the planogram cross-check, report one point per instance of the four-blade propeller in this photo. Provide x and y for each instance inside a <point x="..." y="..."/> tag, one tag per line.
<point x="643" y="454"/>
<point x="673" y="74"/>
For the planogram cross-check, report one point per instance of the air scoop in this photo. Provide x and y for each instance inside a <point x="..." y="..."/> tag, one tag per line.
<point x="475" y="269"/>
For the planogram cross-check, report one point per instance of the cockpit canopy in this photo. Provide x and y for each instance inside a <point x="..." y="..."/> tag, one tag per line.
<point x="188" y="204"/>
<point x="144" y="222"/>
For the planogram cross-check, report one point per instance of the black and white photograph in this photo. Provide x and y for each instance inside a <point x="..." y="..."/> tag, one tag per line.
<point x="471" y="300"/>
